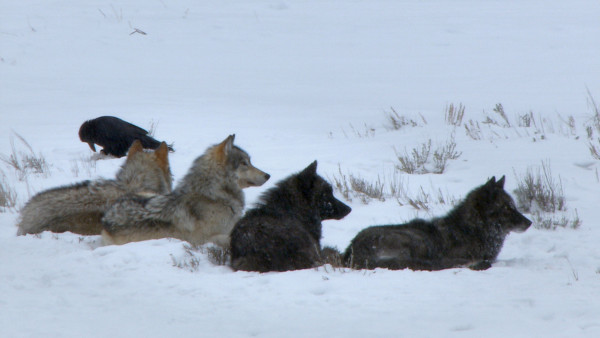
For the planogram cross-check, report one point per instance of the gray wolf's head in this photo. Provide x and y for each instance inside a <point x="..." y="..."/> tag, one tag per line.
<point x="236" y="160"/>
<point x="146" y="171"/>
<point x="497" y="207"/>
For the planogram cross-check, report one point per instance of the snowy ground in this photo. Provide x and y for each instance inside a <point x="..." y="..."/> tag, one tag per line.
<point x="298" y="81"/>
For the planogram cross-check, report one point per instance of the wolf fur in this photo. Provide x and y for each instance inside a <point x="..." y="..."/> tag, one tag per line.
<point x="114" y="135"/>
<point x="472" y="235"/>
<point x="283" y="231"/>
<point x="79" y="207"/>
<point x="203" y="207"/>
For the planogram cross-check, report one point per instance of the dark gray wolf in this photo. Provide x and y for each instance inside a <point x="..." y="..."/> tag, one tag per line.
<point x="472" y="235"/>
<point x="114" y="135"/>
<point x="79" y="207"/>
<point x="283" y="232"/>
<point x="203" y="207"/>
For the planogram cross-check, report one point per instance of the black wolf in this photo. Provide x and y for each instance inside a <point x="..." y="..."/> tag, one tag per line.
<point x="472" y="235"/>
<point x="283" y="232"/>
<point x="114" y="135"/>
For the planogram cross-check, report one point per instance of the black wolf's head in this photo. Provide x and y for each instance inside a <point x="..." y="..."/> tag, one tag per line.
<point x="319" y="193"/>
<point x="496" y="206"/>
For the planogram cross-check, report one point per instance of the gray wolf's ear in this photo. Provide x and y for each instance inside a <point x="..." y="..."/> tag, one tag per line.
<point x="135" y="148"/>
<point x="162" y="156"/>
<point x="500" y="183"/>
<point x="222" y="149"/>
<point x="229" y="143"/>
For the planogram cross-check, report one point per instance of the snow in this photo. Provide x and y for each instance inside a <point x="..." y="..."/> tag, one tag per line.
<point x="298" y="81"/>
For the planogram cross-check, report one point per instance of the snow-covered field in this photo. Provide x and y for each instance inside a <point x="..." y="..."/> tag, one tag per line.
<point x="298" y="81"/>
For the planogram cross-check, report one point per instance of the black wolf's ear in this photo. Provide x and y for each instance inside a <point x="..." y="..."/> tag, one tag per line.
<point x="311" y="169"/>
<point x="500" y="182"/>
<point x="307" y="176"/>
<point x="491" y="182"/>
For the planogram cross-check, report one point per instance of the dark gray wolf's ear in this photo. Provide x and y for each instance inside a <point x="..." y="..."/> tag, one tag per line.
<point x="500" y="183"/>
<point x="311" y="169"/>
<point x="491" y="182"/>
<point x="307" y="177"/>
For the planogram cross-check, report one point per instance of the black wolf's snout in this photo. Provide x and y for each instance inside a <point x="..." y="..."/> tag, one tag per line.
<point x="342" y="209"/>
<point x="332" y="208"/>
<point x="522" y="223"/>
<point x="337" y="209"/>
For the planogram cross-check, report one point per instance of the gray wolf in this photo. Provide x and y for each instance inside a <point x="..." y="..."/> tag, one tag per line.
<point x="79" y="207"/>
<point x="203" y="207"/>
<point x="283" y="231"/>
<point x="471" y="234"/>
<point x="114" y="135"/>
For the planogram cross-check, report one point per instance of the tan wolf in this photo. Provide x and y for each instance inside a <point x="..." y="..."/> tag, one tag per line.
<point x="79" y="207"/>
<point x="203" y="207"/>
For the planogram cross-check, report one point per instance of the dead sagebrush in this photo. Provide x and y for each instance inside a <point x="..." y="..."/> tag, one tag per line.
<point x="550" y="221"/>
<point x="25" y="162"/>
<point x="538" y="190"/>
<point x="454" y="115"/>
<point x="418" y="161"/>
<point x="443" y="154"/>
<point x="415" y="162"/>
<point x="396" y="121"/>
<point x="352" y="185"/>
<point x="85" y="164"/>
<point x="332" y="256"/>
<point x="8" y="195"/>
<point x="473" y="130"/>
<point x="499" y="110"/>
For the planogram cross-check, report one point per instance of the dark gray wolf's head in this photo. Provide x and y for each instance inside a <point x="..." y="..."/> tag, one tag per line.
<point x="237" y="160"/>
<point x="497" y="207"/>
<point x="319" y="193"/>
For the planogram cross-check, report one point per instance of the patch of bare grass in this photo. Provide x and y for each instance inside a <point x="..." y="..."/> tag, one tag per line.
<point x="455" y="114"/>
<point x="8" y="195"/>
<point x="395" y="121"/>
<point x="353" y="186"/>
<point x="420" y="161"/>
<point x="541" y="194"/>
<point x="25" y="162"/>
